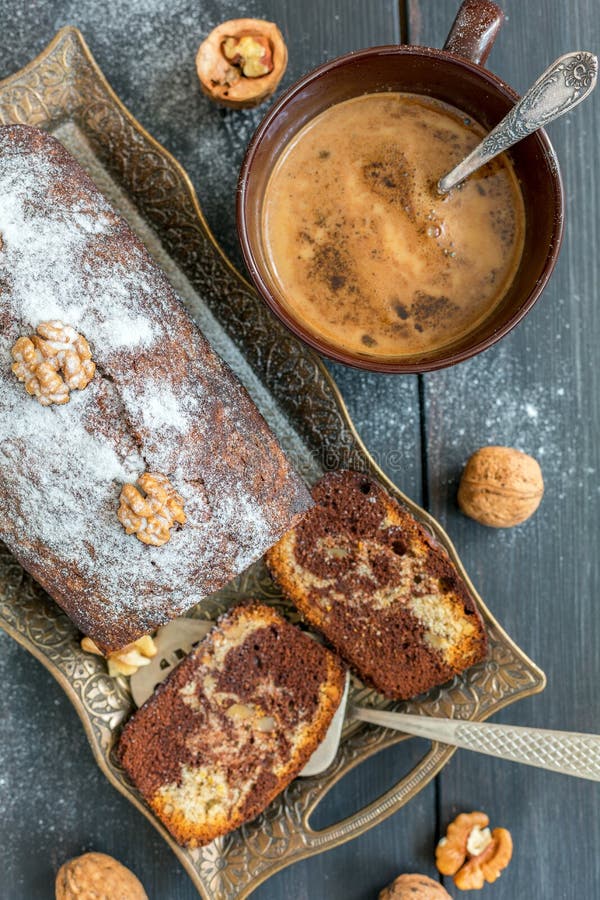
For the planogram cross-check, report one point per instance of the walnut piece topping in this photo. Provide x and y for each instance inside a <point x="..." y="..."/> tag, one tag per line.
<point x="471" y="853"/>
<point x="96" y="875"/>
<point x="152" y="516"/>
<point x="127" y="660"/>
<point x="53" y="362"/>
<point x="241" y="62"/>
<point x="251" y="53"/>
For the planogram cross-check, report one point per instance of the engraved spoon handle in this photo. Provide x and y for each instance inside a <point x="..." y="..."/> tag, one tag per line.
<point x="562" y="86"/>
<point x="559" y="751"/>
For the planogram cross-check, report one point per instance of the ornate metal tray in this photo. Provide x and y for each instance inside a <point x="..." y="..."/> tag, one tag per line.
<point x="64" y="91"/>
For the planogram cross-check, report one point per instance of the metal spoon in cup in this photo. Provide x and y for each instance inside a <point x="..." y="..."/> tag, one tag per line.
<point x="559" y="751"/>
<point x="568" y="81"/>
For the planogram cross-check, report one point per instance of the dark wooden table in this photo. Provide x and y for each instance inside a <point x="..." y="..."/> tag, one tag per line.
<point x="537" y="391"/>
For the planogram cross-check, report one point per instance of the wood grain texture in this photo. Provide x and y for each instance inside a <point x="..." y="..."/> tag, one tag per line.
<point x="537" y="391"/>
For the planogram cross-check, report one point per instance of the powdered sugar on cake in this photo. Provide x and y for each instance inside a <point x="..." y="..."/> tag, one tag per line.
<point x="44" y="256"/>
<point x="160" y="401"/>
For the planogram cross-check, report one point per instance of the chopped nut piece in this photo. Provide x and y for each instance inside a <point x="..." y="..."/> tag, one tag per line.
<point x="53" y="362"/>
<point x="471" y="853"/>
<point x="239" y="712"/>
<point x="241" y="62"/>
<point x="478" y="840"/>
<point x="266" y="723"/>
<point x="127" y="660"/>
<point x="152" y="516"/>
<point x="251" y="52"/>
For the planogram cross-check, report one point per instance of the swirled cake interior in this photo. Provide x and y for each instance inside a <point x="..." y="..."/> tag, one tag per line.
<point x="233" y="724"/>
<point x="384" y="593"/>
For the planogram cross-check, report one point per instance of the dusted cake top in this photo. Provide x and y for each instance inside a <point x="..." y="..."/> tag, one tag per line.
<point x="160" y="401"/>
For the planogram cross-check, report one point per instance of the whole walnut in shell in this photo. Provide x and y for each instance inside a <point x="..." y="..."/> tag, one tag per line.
<point x="414" y="887"/>
<point x="500" y="487"/>
<point x="96" y="876"/>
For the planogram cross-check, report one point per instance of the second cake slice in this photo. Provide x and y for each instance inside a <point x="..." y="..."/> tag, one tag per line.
<point x="233" y="724"/>
<point x="365" y="573"/>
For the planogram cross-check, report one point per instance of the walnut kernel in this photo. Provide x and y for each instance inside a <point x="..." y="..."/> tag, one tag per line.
<point x="500" y="487"/>
<point x="53" y="362"/>
<point x="414" y="887"/>
<point x="152" y="516"/>
<point x="472" y="854"/>
<point x="96" y="876"/>
<point x="241" y="62"/>
<point x="251" y="52"/>
<point x="127" y="660"/>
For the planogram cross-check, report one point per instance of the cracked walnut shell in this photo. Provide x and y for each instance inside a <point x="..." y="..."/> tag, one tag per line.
<point x="53" y="362"/>
<point x="472" y="853"/>
<point x="414" y="887"/>
<point x="127" y="660"/>
<point x="152" y="516"/>
<point x="500" y="487"/>
<point x="241" y="62"/>
<point x="97" y="876"/>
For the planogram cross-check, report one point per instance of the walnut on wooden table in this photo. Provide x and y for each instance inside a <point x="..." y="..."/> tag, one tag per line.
<point x="500" y="487"/>
<point x="97" y="876"/>
<point x="414" y="887"/>
<point x="472" y="853"/>
<point x="241" y="62"/>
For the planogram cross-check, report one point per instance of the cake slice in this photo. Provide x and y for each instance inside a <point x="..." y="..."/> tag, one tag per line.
<point x="233" y="724"/>
<point x="367" y="575"/>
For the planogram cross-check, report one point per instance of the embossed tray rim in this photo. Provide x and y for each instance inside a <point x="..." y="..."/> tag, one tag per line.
<point x="437" y="756"/>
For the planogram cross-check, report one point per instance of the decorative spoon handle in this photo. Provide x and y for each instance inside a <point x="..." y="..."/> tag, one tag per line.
<point x="566" y="83"/>
<point x="559" y="751"/>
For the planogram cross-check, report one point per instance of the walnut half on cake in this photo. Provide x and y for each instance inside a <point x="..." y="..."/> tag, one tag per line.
<point x="232" y="725"/>
<point x="367" y="575"/>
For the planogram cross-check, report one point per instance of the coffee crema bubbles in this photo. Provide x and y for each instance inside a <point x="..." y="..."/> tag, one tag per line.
<point x="361" y="247"/>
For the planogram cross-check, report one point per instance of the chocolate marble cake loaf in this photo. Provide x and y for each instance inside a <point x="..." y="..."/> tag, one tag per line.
<point x="366" y="574"/>
<point x="232" y="725"/>
<point x="160" y="401"/>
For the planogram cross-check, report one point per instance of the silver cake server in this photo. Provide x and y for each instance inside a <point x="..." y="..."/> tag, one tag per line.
<point x="567" y="752"/>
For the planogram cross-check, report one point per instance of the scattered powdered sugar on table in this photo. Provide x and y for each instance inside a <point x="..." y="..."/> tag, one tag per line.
<point x="530" y="419"/>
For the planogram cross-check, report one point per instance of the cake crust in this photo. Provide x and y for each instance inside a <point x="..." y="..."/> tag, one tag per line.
<point x="366" y="574"/>
<point x="160" y="401"/>
<point x="232" y="725"/>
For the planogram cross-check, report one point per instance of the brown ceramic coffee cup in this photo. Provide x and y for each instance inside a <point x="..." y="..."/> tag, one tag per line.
<point x="455" y="75"/>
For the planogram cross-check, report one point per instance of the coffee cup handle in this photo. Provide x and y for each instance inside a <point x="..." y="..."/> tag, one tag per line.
<point x="474" y="30"/>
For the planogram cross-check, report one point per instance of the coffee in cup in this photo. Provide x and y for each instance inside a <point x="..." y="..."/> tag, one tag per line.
<point x="361" y="246"/>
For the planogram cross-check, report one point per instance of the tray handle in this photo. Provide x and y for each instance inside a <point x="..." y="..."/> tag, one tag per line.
<point x="420" y="774"/>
